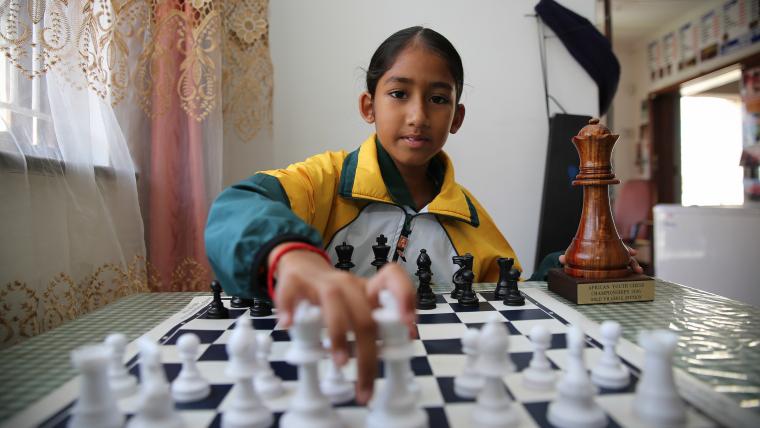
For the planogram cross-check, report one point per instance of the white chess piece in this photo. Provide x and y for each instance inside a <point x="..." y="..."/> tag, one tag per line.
<point x="96" y="406"/>
<point x="267" y="384"/>
<point x="246" y="409"/>
<point x="334" y="384"/>
<point x="411" y="381"/>
<point x="394" y="405"/>
<point x="151" y="369"/>
<point x="156" y="409"/>
<point x="122" y="383"/>
<point x="189" y="385"/>
<point x="609" y="371"/>
<point x="574" y="406"/>
<point x="657" y="402"/>
<point x="388" y="301"/>
<point x="493" y="407"/>
<point x="539" y="374"/>
<point x="309" y="406"/>
<point x="469" y="382"/>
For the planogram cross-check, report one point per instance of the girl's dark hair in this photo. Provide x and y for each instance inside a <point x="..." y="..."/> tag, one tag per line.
<point x="386" y="54"/>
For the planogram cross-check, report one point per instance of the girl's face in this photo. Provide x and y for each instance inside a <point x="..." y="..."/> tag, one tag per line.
<point x="414" y="108"/>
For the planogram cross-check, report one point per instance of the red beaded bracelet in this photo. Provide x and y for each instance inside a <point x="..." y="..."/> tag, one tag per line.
<point x="286" y="248"/>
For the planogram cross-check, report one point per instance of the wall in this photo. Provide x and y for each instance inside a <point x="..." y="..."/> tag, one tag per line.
<point x="319" y="49"/>
<point x="632" y="90"/>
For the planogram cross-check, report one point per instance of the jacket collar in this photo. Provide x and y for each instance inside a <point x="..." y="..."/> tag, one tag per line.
<point x="361" y="178"/>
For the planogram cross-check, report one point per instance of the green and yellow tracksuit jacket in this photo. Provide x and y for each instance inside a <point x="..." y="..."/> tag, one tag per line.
<point x="338" y="197"/>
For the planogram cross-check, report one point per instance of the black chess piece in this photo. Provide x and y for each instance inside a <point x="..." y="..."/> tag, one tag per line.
<point x="457" y="278"/>
<point x="425" y="295"/>
<point x="467" y="296"/>
<point x="262" y="307"/>
<point x="345" y="252"/>
<point x="239" y="302"/>
<point x="505" y="264"/>
<point x="381" y="250"/>
<point x="514" y="297"/>
<point x="216" y="309"/>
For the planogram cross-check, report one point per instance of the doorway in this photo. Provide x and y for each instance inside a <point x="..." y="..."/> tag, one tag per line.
<point x="711" y="139"/>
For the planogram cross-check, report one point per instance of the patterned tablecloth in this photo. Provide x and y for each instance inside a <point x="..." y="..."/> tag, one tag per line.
<point x="719" y="339"/>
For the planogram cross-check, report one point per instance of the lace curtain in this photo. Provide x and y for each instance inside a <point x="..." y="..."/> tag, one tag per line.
<point x="114" y="114"/>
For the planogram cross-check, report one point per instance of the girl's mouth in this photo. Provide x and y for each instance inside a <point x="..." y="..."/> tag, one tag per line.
<point x="415" y="141"/>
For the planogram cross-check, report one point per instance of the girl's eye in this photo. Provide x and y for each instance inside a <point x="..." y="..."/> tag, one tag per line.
<point x="437" y="99"/>
<point x="397" y="94"/>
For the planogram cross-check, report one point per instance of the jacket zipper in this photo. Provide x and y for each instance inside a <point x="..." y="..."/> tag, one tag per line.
<point x="403" y="239"/>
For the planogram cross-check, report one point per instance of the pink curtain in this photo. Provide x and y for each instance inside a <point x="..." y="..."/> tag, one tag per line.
<point x="177" y="191"/>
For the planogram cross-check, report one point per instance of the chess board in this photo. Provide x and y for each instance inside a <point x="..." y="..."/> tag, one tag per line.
<point x="438" y="358"/>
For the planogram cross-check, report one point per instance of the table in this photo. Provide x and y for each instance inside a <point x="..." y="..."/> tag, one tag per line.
<point x="719" y="339"/>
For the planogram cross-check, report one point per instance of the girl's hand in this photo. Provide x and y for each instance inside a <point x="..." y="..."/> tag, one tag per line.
<point x="347" y="302"/>
<point x="633" y="262"/>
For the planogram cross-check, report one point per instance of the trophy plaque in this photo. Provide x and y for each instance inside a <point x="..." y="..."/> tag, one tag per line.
<point x="597" y="262"/>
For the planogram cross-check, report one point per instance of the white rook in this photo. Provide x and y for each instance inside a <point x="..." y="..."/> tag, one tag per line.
<point x="96" y="406"/>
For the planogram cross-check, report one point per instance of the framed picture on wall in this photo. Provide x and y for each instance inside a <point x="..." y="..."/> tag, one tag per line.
<point x="687" y="46"/>
<point x="709" y="35"/>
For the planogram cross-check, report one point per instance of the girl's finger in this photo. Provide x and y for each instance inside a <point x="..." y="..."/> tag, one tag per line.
<point x="334" y="310"/>
<point x="290" y="291"/>
<point x="365" y="332"/>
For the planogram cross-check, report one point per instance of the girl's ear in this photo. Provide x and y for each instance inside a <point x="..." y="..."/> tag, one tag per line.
<point x="366" y="107"/>
<point x="456" y="123"/>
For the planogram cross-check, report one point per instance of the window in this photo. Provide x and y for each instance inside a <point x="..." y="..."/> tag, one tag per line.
<point x="26" y="122"/>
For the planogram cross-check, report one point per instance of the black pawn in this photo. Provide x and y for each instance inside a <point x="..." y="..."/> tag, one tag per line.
<point x="381" y="251"/>
<point x="467" y="296"/>
<point x="505" y="264"/>
<point x="216" y="309"/>
<point x="239" y="302"/>
<point x="425" y="295"/>
<point x="345" y="252"/>
<point x="261" y="307"/>
<point x="514" y="297"/>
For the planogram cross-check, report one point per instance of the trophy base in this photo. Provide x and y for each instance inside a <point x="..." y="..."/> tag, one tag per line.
<point x="586" y="291"/>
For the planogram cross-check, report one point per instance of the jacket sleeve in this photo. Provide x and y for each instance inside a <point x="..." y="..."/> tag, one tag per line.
<point x="252" y="217"/>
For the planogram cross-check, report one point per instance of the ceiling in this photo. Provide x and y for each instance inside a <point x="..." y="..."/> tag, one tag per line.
<point x="634" y="21"/>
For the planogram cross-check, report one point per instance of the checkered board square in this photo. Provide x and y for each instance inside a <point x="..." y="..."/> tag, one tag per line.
<point x="437" y="360"/>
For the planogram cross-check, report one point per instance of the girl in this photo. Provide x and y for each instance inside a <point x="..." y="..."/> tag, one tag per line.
<point x="399" y="183"/>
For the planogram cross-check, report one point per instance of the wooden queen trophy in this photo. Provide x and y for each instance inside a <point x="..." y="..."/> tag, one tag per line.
<point x="597" y="262"/>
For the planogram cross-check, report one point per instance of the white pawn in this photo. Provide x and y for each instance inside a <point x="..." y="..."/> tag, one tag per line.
<point x="308" y="407"/>
<point x="156" y="405"/>
<point x="267" y="384"/>
<point x="189" y="385"/>
<point x="657" y="402"/>
<point x="609" y="371"/>
<point x="493" y="408"/>
<point x="539" y="374"/>
<point x="574" y="406"/>
<point x="246" y="409"/>
<point x="469" y="382"/>
<point x="395" y="405"/>
<point x="122" y="383"/>
<point x="334" y="384"/>
<point x="96" y="406"/>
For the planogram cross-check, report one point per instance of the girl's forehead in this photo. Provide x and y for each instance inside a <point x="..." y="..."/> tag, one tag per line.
<point x="418" y="63"/>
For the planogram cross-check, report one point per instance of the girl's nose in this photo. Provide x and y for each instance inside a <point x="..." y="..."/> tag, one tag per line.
<point x="417" y="114"/>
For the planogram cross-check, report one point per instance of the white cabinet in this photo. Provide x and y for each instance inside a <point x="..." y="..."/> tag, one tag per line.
<point x="715" y="249"/>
